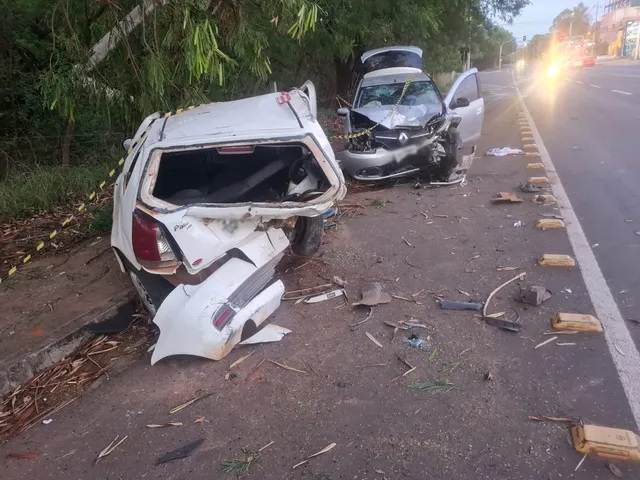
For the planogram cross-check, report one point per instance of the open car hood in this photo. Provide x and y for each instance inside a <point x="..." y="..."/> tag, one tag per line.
<point x="400" y="115"/>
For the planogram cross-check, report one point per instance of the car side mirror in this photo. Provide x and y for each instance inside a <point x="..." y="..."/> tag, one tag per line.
<point x="342" y="112"/>
<point x="127" y="143"/>
<point x="461" y="102"/>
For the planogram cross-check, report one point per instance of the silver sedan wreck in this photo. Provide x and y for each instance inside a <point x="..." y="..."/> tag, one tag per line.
<point x="400" y="125"/>
<point x="209" y="200"/>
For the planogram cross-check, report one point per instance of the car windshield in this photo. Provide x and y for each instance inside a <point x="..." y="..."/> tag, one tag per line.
<point x="418" y="93"/>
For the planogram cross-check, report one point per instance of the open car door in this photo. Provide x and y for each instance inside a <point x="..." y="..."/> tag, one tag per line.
<point x="466" y="101"/>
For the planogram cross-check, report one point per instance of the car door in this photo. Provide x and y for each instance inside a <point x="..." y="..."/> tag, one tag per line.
<point x="467" y="86"/>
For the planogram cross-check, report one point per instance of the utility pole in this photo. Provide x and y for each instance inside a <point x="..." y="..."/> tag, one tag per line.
<point x="595" y="32"/>
<point x="500" y="54"/>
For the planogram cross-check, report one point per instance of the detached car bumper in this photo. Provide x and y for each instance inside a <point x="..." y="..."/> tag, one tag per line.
<point x="355" y="164"/>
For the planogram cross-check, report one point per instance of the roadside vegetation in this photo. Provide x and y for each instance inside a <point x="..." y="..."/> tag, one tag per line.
<point x="68" y="99"/>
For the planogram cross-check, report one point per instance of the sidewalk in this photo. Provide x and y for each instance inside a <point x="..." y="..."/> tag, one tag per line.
<point x="417" y="243"/>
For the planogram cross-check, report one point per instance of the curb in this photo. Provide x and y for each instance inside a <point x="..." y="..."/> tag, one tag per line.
<point x="16" y="370"/>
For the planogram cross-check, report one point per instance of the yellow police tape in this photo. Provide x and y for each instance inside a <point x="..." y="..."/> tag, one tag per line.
<point x="82" y="207"/>
<point x="370" y="129"/>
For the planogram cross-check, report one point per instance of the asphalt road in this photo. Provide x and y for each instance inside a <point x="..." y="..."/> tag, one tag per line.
<point x="589" y="120"/>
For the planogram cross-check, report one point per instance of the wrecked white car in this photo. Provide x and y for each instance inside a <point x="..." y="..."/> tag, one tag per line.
<point x="208" y="201"/>
<point x="400" y="125"/>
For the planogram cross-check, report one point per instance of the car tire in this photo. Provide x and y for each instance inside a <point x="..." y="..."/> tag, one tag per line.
<point x="151" y="289"/>
<point x="307" y="236"/>
<point x="450" y="161"/>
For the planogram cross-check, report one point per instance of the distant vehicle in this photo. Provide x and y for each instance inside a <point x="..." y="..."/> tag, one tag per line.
<point x="578" y="53"/>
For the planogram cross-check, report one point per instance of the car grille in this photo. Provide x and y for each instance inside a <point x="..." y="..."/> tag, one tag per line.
<point x="399" y="138"/>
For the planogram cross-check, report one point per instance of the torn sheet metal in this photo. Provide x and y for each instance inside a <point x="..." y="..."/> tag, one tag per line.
<point x="186" y="317"/>
<point x="326" y="296"/>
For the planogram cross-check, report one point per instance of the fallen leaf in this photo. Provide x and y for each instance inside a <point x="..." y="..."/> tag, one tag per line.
<point x="323" y="451"/>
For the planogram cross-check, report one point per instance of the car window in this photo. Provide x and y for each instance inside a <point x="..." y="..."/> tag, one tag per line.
<point x="418" y="93"/>
<point x="468" y="89"/>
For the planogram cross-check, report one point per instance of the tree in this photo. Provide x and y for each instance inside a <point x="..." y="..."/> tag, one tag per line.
<point x="572" y="22"/>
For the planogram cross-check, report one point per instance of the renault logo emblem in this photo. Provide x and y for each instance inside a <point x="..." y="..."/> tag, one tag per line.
<point x="403" y="138"/>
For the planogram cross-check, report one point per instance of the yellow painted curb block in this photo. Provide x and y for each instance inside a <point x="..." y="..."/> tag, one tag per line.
<point x="544" y="199"/>
<point x="532" y="154"/>
<point x="605" y="442"/>
<point x="539" y="180"/>
<point x="554" y="260"/>
<point x="545" y="223"/>
<point x="526" y="133"/>
<point x="576" y="322"/>
<point x="535" y="165"/>
<point x="530" y="146"/>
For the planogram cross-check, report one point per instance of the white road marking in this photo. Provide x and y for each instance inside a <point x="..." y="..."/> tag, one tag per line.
<point x="594" y="86"/>
<point x="616" y="332"/>
<point x="623" y="93"/>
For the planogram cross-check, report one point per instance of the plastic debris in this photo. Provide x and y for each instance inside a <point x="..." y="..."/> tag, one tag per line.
<point x="270" y="333"/>
<point x="529" y="188"/>
<point x="374" y="296"/>
<point x="503" y="152"/>
<point x="506" y="197"/>
<point x="503" y="324"/>
<point x="47" y="421"/>
<point x="454" y="305"/>
<point x="518" y="224"/>
<point x="415" y="341"/>
<point x="325" y="296"/>
<point x="181" y="452"/>
<point x="534" y="295"/>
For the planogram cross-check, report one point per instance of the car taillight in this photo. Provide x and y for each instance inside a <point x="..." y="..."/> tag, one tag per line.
<point x="150" y="245"/>
<point x="222" y="317"/>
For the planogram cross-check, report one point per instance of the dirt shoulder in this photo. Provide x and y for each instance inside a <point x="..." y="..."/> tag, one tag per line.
<point x="417" y="243"/>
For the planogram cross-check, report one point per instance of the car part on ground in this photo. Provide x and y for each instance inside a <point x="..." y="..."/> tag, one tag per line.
<point x="206" y="205"/>
<point x="400" y="125"/>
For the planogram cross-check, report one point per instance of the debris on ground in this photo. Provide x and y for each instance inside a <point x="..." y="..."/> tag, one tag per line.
<point x="416" y="341"/>
<point x="488" y="377"/>
<point x="544" y="199"/>
<point x="307" y="292"/>
<point x="338" y="281"/>
<point x="287" y="367"/>
<point x="556" y="260"/>
<point x="546" y="223"/>
<point x="164" y="425"/>
<point x="180" y="452"/>
<point x="506" y="197"/>
<point x="240" y="360"/>
<point x="111" y="447"/>
<point x="529" y="188"/>
<point x="549" y="340"/>
<point x="269" y="334"/>
<point x="615" y="470"/>
<point x="373" y="339"/>
<point x="436" y="386"/>
<point x="520" y="276"/>
<point x="544" y="418"/>
<point x="373" y="296"/>
<point x="534" y="295"/>
<point x="455" y="305"/>
<point x="242" y="465"/>
<point x="325" y="296"/>
<point x="503" y="152"/>
<point x="22" y="456"/>
<point x="518" y="224"/>
<point x="189" y="402"/>
<point x="408" y="365"/>
<point x="503" y="324"/>
<point x="577" y="322"/>
<point x="321" y="452"/>
<point x="508" y="269"/>
<point x="605" y="442"/>
<point x="355" y="326"/>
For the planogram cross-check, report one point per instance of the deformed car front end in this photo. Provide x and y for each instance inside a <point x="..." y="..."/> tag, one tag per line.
<point x="209" y="201"/>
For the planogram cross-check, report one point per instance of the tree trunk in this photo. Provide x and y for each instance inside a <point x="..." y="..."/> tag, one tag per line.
<point x="66" y="144"/>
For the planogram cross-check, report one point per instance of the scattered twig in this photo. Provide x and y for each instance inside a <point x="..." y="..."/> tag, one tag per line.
<point x="321" y="452"/>
<point x="406" y="241"/>
<point x="580" y="463"/>
<point x="372" y="338"/>
<point x="240" y="360"/>
<point x="372" y="365"/>
<point x="190" y="402"/>
<point x="267" y="445"/>
<point x="286" y="367"/>
<point x="549" y="340"/>
<point x="356" y="325"/>
<point x="544" y="418"/>
<point x="496" y="290"/>
<point x="111" y="447"/>
<point x="432" y="386"/>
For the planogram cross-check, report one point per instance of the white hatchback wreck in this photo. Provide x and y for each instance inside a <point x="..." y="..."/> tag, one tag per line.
<point x="208" y="201"/>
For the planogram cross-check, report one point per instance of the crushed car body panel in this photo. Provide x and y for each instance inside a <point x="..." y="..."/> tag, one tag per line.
<point x="186" y="318"/>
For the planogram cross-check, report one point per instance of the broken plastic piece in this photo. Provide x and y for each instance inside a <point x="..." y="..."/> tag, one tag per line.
<point x="545" y="223"/>
<point x="325" y="296"/>
<point x="576" y="322"/>
<point x="506" y="197"/>
<point x="503" y="152"/>
<point x="529" y="188"/>
<point x="554" y="260"/>
<point x="454" y="305"/>
<point x="374" y="296"/>
<point x="534" y="295"/>
<point x="605" y="442"/>
<point x="503" y="324"/>
<point x="544" y="199"/>
<point x="181" y="452"/>
<point x="415" y="341"/>
<point x="270" y="333"/>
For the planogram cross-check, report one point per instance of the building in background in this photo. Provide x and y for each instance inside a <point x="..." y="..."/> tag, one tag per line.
<point x="619" y="27"/>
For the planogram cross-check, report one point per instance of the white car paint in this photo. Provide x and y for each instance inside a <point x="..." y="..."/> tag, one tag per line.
<point x="472" y="116"/>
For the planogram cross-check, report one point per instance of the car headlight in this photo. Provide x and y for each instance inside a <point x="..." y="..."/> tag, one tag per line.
<point x="554" y="70"/>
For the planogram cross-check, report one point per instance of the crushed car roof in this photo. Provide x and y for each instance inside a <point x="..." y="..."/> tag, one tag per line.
<point x="264" y="116"/>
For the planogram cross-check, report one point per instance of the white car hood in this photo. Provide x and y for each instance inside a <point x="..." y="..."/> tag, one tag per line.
<point x="400" y="115"/>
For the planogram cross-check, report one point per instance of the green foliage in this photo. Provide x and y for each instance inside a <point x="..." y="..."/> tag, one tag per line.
<point x="102" y="220"/>
<point x="576" y="20"/>
<point x="47" y="187"/>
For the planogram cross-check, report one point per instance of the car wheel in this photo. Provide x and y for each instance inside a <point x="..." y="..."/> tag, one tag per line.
<point x="307" y="235"/>
<point x="450" y="161"/>
<point x="151" y="289"/>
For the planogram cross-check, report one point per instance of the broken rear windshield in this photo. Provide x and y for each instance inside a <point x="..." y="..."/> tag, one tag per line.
<point x="418" y="93"/>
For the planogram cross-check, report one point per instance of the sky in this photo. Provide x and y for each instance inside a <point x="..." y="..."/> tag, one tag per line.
<point x="537" y="17"/>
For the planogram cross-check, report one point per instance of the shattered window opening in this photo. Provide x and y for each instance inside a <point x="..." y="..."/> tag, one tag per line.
<point x="263" y="173"/>
<point x="418" y="93"/>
